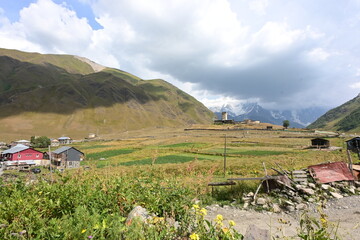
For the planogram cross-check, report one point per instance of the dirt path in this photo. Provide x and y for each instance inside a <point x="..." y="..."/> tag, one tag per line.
<point x="345" y="212"/>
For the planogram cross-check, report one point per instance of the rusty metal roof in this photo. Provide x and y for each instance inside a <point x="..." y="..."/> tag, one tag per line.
<point x="331" y="172"/>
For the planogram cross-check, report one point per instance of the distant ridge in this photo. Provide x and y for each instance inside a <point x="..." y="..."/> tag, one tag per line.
<point x="54" y="95"/>
<point x="345" y="118"/>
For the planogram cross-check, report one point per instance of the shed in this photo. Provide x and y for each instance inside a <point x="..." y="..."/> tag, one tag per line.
<point x="320" y="143"/>
<point x="67" y="157"/>
<point x="354" y="145"/>
<point x="65" y="140"/>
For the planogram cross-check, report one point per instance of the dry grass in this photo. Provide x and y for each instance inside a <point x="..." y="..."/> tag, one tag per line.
<point x="247" y="150"/>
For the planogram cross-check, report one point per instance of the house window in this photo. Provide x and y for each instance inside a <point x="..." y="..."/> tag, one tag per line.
<point x="19" y="155"/>
<point x="37" y="155"/>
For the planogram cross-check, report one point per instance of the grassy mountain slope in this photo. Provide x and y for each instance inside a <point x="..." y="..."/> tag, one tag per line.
<point x="343" y="118"/>
<point x="43" y="95"/>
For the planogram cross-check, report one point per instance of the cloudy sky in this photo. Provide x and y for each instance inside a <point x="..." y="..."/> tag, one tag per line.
<point x="283" y="54"/>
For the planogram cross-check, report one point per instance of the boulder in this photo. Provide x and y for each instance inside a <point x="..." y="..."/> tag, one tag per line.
<point x="276" y="208"/>
<point x="301" y="206"/>
<point x="325" y="186"/>
<point x="261" y="201"/>
<point x="336" y="195"/>
<point x="312" y="185"/>
<point x="138" y="212"/>
<point x="308" y="191"/>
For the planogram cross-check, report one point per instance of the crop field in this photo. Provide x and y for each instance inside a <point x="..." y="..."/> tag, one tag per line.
<point x="163" y="170"/>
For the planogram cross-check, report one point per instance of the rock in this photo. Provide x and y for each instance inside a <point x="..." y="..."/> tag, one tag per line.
<point x="352" y="190"/>
<point x="290" y="208"/>
<point x="357" y="184"/>
<point x="298" y="199"/>
<point x="261" y="201"/>
<point x="138" y="212"/>
<point x="301" y="206"/>
<point x="276" y="208"/>
<point x="325" y="186"/>
<point x="289" y="203"/>
<point x="172" y="222"/>
<point x="3" y="225"/>
<point x="336" y="195"/>
<point x="253" y="232"/>
<point x="311" y="200"/>
<point x="308" y="191"/>
<point x="246" y="199"/>
<point x="250" y="194"/>
<point x="312" y="185"/>
<point x="299" y="186"/>
<point x="246" y="205"/>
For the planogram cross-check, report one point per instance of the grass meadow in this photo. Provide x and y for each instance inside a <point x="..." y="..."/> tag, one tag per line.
<point x="164" y="170"/>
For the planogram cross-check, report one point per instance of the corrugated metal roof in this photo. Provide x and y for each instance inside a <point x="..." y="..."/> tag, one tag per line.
<point x="62" y="149"/>
<point x="64" y="138"/>
<point x="331" y="172"/>
<point x="15" y="149"/>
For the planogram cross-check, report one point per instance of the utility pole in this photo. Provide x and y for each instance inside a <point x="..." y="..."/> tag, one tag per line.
<point x="225" y="157"/>
<point x="50" y="163"/>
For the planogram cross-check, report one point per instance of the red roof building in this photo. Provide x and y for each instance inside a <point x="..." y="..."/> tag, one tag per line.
<point x="21" y="153"/>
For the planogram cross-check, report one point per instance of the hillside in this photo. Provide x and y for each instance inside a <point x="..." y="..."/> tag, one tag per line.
<point x="343" y="118"/>
<point x="58" y="95"/>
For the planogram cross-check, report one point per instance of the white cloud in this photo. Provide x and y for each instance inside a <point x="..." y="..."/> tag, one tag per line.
<point x="355" y="85"/>
<point x="259" y="6"/>
<point x="209" y="48"/>
<point x="319" y="54"/>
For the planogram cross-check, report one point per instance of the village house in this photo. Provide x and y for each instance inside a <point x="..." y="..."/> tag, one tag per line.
<point x="23" y="142"/>
<point x="21" y="155"/>
<point x="64" y="140"/>
<point x="67" y="157"/>
<point x="54" y="142"/>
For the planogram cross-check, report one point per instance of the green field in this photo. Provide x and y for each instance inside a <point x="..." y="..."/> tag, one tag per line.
<point x="163" y="173"/>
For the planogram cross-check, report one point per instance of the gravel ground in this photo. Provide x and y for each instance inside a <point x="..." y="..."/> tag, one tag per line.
<point x="344" y="212"/>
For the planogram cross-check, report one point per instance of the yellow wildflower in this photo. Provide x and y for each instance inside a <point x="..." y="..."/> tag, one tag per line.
<point x="195" y="206"/>
<point x="157" y="219"/>
<point x="219" y="218"/>
<point x="194" y="236"/>
<point x="40" y="192"/>
<point x="225" y="230"/>
<point x="203" y="212"/>
<point x="232" y="223"/>
<point x="84" y="230"/>
<point x="323" y="222"/>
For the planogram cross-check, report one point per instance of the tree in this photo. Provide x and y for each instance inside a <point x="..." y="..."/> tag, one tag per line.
<point x="286" y="123"/>
<point x="40" y="142"/>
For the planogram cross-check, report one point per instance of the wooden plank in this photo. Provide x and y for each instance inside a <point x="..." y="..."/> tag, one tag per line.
<point x="221" y="183"/>
<point x="253" y="178"/>
<point x="298" y="172"/>
<point x="299" y="176"/>
<point x="300" y="179"/>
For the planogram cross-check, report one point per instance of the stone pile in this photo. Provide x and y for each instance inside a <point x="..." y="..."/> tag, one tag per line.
<point x="299" y="196"/>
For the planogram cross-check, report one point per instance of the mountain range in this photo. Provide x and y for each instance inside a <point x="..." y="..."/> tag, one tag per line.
<point x="55" y="95"/>
<point x="252" y="110"/>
